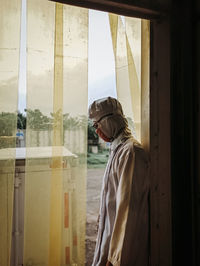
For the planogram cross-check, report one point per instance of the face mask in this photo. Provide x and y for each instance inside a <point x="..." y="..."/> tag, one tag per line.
<point x="101" y="135"/>
<point x="111" y="126"/>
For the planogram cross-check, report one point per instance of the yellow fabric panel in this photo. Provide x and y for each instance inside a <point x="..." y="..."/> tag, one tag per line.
<point x="135" y="91"/>
<point x="57" y="171"/>
<point x="133" y="43"/>
<point x="40" y="84"/>
<point x="133" y="33"/>
<point x="122" y="74"/>
<point x="75" y="60"/>
<point x="113" y="19"/>
<point x="126" y="38"/>
<point x="75" y="97"/>
<point x="9" y="68"/>
<point x="55" y="179"/>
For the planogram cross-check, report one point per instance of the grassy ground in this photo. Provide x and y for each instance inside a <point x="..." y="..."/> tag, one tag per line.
<point x="97" y="160"/>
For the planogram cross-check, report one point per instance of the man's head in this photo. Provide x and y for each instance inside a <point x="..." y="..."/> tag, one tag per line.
<point x="108" y="117"/>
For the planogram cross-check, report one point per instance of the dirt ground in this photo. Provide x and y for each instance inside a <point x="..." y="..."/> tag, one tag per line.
<point x="94" y="181"/>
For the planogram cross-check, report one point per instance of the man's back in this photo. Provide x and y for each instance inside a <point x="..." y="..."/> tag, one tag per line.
<point x="124" y="210"/>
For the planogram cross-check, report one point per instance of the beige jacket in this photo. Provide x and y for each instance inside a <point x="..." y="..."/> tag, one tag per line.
<point x="124" y="216"/>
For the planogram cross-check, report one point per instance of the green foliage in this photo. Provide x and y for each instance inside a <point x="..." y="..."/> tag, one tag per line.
<point x="97" y="160"/>
<point x="72" y="123"/>
<point x="8" y="123"/>
<point x="37" y="121"/>
<point x="56" y="119"/>
<point x="21" y="121"/>
<point x="83" y="121"/>
<point x="7" y="142"/>
<point x="92" y="135"/>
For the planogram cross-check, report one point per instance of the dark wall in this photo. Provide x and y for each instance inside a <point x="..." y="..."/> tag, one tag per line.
<point x="197" y="127"/>
<point x="183" y="104"/>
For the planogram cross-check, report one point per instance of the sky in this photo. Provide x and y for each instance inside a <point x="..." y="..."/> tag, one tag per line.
<point x="101" y="66"/>
<point x="22" y="64"/>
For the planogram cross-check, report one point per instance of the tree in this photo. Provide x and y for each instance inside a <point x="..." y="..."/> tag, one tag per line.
<point x="8" y="124"/>
<point x="92" y="135"/>
<point x="37" y="122"/>
<point x="21" y="121"/>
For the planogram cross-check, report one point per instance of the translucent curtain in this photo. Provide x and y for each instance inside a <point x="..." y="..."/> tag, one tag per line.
<point x="55" y="191"/>
<point x="40" y="84"/>
<point x="126" y="38"/>
<point x="75" y="97"/>
<point x="9" y="67"/>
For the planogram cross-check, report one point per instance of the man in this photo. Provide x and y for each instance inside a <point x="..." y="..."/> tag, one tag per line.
<point x="123" y="224"/>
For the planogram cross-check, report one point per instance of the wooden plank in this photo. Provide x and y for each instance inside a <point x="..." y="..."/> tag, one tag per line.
<point x="160" y="145"/>
<point x="145" y="76"/>
<point x="198" y="145"/>
<point x="145" y="10"/>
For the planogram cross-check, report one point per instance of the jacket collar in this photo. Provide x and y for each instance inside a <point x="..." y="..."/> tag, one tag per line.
<point x="117" y="141"/>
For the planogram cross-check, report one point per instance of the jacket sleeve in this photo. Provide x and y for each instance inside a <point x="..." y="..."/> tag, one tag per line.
<point x="125" y="175"/>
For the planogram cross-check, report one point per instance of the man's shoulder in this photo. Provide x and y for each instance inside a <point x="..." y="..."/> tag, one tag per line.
<point x="131" y="145"/>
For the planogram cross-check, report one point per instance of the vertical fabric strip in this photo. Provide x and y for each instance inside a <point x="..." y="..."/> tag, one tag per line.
<point x="134" y="90"/>
<point x="133" y="47"/>
<point x="113" y="20"/>
<point x="38" y="171"/>
<point x="57" y="170"/>
<point x="126" y="40"/>
<point x="57" y="75"/>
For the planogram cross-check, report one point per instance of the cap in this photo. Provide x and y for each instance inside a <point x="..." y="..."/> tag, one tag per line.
<point x="103" y="107"/>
